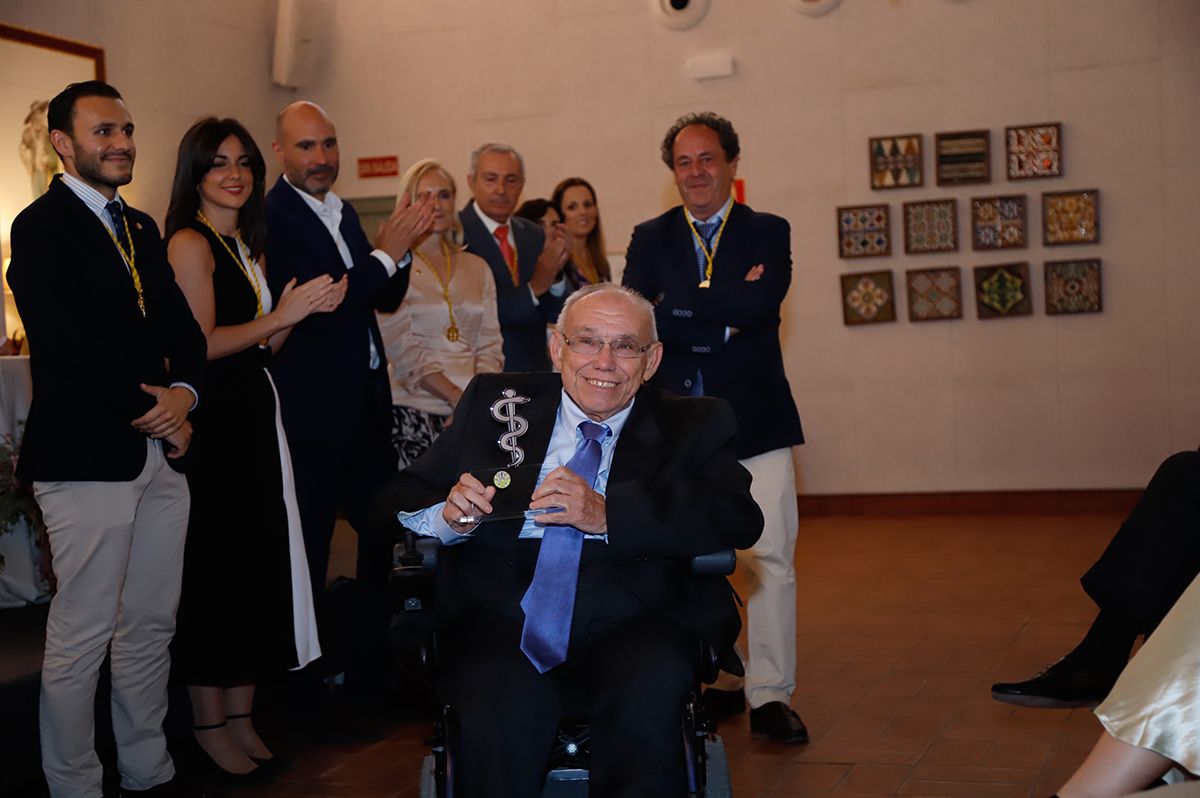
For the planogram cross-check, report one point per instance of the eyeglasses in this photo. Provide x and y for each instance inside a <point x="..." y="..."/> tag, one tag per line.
<point x="622" y="347"/>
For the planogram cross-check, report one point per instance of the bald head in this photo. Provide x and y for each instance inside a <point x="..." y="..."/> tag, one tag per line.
<point x="307" y="148"/>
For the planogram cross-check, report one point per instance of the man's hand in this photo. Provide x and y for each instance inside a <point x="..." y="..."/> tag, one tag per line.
<point x="755" y="273"/>
<point x="169" y="412"/>
<point x="582" y="507"/>
<point x="550" y="263"/>
<point x="179" y="440"/>
<point x="406" y="224"/>
<point x="467" y="498"/>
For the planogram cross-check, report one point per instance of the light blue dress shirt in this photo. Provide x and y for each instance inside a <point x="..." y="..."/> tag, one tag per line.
<point x="563" y="442"/>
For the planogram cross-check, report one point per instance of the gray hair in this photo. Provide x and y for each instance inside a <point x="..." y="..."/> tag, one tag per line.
<point x="503" y="149"/>
<point x="639" y="301"/>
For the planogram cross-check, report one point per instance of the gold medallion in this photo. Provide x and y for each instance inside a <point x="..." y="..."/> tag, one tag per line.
<point x="452" y="333"/>
<point x="501" y="480"/>
<point x="704" y="283"/>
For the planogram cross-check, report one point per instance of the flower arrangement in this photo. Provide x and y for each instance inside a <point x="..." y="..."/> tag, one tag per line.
<point x="16" y="497"/>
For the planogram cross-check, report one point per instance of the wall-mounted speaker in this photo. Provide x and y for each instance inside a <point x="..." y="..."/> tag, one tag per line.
<point x="301" y="36"/>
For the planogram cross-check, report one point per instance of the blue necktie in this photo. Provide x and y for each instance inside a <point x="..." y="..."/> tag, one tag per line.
<point x="550" y="600"/>
<point x="117" y="215"/>
<point x="706" y="230"/>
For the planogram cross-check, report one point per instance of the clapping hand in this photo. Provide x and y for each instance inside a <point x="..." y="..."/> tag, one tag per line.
<point x="407" y="223"/>
<point x="555" y="252"/>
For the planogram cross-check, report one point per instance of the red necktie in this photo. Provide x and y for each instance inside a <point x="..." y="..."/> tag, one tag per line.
<point x="510" y="257"/>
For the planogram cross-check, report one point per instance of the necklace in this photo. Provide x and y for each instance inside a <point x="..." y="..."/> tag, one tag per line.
<point x="451" y="331"/>
<point x="709" y="254"/>
<point x="131" y="259"/>
<point x="241" y="261"/>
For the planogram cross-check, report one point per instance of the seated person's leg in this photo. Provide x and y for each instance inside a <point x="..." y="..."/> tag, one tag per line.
<point x="638" y="675"/>
<point x="1148" y="564"/>
<point x="508" y="712"/>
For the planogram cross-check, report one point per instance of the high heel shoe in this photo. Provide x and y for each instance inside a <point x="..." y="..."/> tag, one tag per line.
<point x="254" y="778"/>
<point x="275" y="763"/>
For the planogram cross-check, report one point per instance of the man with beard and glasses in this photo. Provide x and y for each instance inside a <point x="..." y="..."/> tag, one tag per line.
<point x="104" y="441"/>
<point x="334" y="391"/>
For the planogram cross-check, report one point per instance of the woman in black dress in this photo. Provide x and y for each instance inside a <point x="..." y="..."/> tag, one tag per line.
<point x="246" y="606"/>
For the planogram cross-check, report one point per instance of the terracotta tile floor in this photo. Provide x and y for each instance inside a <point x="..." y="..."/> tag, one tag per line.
<point x="904" y="623"/>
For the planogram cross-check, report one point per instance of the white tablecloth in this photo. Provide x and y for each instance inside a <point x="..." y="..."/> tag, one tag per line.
<point x="20" y="583"/>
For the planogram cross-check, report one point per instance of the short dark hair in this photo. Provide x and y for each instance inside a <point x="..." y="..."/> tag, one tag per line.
<point x="717" y="124"/>
<point x="535" y="209"/>
<point x="60" y="114"/>
<point x="197" y="151"/>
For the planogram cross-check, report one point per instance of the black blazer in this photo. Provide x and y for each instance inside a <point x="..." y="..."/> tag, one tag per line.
<point x="675" y="490"/>
<point x="522" y="323"/>
<point x="747" y="370"/>
<point x="323" y="374"/>
<point x="90" y="345"/>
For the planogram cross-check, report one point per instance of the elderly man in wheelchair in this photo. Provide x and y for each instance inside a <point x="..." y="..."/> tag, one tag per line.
<point x="568" y="580"/>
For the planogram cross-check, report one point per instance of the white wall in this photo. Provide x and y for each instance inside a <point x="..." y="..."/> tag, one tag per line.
<point x="589" y="86"/>
<point x="173" y="61"/>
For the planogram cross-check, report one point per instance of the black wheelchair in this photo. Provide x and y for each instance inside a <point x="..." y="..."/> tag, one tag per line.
<point x="413" y="636"/>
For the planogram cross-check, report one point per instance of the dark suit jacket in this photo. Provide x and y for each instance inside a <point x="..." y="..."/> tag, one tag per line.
<point x="522" y="323"/>
<point x="675" y="490"/>
<point x="90" y="345"/>
<point x="323" y="374"/>
<point x="747" y="370"/>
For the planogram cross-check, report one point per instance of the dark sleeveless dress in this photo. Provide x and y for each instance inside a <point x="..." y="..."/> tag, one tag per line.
<point x="242" y="615"/>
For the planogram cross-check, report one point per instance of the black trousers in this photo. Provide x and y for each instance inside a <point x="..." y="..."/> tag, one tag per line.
<point x="346" y="475"/>
<point x="630" y="667"/>
<point x="1155" y="554"/>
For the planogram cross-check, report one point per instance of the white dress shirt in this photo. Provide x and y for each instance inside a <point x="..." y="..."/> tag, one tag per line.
<point x="329" y="212"/>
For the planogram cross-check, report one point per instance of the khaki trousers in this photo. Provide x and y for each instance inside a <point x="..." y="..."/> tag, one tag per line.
<point x="118" y="558"/>
<point x="770" y="577"/>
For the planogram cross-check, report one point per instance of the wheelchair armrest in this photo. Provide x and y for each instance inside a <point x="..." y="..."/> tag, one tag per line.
<point x="716" y="563"/>
<point x="430" y="550"/>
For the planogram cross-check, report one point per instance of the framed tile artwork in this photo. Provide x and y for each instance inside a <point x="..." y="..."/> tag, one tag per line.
<point x="1034" y="150"/>
<point x="896" y="161"/>
<point x="934" y="294"/>
<point x="1071" y="217"/>
<point x="868" y="298"/>
<point x="1073" y="286"/>
<point x="998" y="222"/>
<point x="1002" y="291"/>
<point x="930" y="226"/>
<point x="863" y="231"/>
<point x="963" y="157"/>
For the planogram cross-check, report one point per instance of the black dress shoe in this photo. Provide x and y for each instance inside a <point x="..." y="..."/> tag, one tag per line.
<point x="779" y="722"/>
<point x="168" y="789"/>
<point x="721" y="704"/>
<point x="1063" y="685"/>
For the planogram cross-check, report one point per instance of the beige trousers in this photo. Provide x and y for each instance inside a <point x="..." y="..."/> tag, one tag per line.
<point x="770" y="577"/>
<point x="118" y="558"/>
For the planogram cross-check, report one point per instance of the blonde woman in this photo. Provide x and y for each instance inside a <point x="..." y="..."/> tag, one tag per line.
<point x="446" y="331"/>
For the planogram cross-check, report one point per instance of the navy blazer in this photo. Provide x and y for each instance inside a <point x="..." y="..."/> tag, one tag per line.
<point x="675" y="490"/>
<point x="522" y="322"/>
<point x="90" y="345"/>
<point x="747" y="370"/>
<point x="323" y="373"/>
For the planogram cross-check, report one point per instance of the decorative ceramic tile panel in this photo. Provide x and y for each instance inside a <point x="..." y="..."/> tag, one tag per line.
<point x="1002" y="291"/>
<point x="934" y="294"/>
<point x="998" y="222"/>
<point x="1071" y="217"/>
<point x="1034" y="150"/>
<point x="963" y="157"/>
<point x="863" y="231"/>
<point x="1073" y="286"/>
<point x="930" y="226"/>
<point x="868" y="297"/>
<point x="896" y="161"/>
